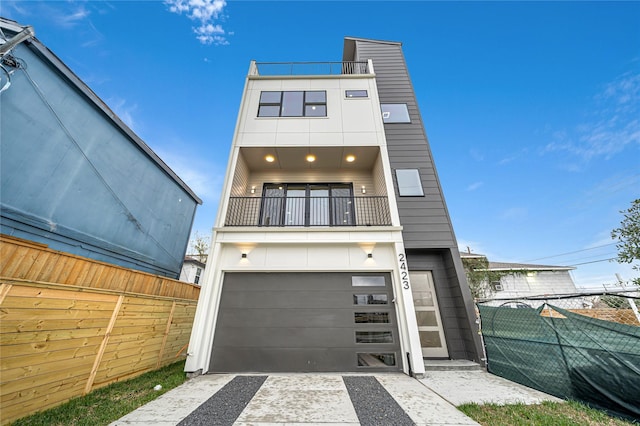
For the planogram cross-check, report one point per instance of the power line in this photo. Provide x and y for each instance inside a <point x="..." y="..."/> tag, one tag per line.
<point x="571" y="252"/>
<point x="594" y="261"/>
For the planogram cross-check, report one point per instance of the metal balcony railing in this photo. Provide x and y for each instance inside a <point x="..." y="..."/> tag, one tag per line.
<point x="311" y="68"/>
<point x="308" y="211"/>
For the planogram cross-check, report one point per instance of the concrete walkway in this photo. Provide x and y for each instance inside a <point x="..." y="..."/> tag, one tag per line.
<point x="329" y="399"/>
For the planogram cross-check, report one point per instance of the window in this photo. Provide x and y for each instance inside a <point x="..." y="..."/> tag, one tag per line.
<point x="291" y="204"/>
<point x="371" y="317"/>
<point x="374" y="337"/>
<point x="368" y="281"/>
<point x="370" y="299"/>
<point x="356" y="94"/>
<point x="197" y="278"/>
<point x="409" y="184"/>
<point x="395" y="113"/>
<point x="376" y="359"/>
<point x="496" y="286"/>
<point x="310" y="103"/>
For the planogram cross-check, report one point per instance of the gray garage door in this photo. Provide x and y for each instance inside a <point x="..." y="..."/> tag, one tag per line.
<point x="298" y="322"/>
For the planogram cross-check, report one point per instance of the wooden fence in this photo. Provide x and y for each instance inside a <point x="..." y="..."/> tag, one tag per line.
<point x="69" y="325"/>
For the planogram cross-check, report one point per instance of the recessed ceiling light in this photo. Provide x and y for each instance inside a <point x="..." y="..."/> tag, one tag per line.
<point x="270" y="158"/>
<point x="311" y="158"/>
<point x="350" y="158"/>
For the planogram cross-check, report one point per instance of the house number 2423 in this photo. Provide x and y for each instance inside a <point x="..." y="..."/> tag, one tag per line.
<point x="404" y="275"/>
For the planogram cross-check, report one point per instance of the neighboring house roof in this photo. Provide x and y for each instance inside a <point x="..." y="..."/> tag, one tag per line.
<point x="509" y="266"/>
<point x="506" y="266"/>
<point x="196" y="262"/>
<point x="55" y="62"/>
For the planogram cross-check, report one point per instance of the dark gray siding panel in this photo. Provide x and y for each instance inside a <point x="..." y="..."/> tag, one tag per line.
<point x="296" y="322"/>
<point x="394" y="86"/>
<point x="428" y="235"/>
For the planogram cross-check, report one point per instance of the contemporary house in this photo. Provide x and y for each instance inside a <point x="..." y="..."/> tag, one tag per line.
<point x="333" y="249"/>
<point x="74" y="176"/>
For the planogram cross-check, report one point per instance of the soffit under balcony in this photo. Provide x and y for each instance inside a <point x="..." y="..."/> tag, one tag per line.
<point x="294" y="158"/>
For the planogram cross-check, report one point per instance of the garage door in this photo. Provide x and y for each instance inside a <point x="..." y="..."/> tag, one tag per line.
<point x="299" y="322"/>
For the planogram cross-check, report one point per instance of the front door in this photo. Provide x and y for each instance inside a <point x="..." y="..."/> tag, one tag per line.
<point x="430" y="329"/>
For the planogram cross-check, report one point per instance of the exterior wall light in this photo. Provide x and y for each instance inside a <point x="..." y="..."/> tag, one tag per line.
<point x="311" y="158"/>
<point x="244" y="255"/>
<point x="370" y="255"/>
<point x="253" y="189"/>
<point x="350" y="158"/>
<point x="364" y="190"/>
<point x="270" y="158"/>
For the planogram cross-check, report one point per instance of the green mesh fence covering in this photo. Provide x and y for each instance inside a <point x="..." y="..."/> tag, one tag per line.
<point x="565" y="354"/>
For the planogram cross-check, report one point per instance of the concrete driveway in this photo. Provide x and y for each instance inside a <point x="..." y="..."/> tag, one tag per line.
<point x="329" y="399"/>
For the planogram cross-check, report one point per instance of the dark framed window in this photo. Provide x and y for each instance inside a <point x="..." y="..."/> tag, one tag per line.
<point x="409" y="184"/>
<point x="376" y="359"/>
<point x="371" y="317"/>
<point x="374" y="337"/>
<point x="370" y="299"/>
<point x="307" y="204"/>
<point x="356" y="94"/>
<point x="197" y="278"/>
<point x="309" y="103"/>
<point x="395" y="113"/>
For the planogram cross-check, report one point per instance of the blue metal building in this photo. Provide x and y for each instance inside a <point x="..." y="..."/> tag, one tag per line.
<point x="74" y="176"/>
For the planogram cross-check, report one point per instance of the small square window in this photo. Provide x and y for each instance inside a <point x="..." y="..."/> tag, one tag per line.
<point x="395" y="113"/>
<point x="315" y="97"/>
<point x="315" y="110"/>
<point x="270" y="97"/>
<point x="356" y="94"/>
<point x="409" y="184"/>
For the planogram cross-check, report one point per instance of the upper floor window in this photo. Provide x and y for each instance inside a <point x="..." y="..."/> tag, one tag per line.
<point x="395" y="113"/>
<point x="356" y="94"/>
<point x="310" y="103"/>
<point x="409" y="184"/>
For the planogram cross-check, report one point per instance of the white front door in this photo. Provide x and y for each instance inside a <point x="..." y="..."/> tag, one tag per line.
<point x="428" y="315"/>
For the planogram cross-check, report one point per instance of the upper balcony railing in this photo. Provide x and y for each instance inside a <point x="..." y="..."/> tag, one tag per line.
<point x="308" y="211"/>
<point x="310" y="68"/>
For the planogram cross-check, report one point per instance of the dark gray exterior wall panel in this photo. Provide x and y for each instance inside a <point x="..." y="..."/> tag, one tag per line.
<point x="428" y="235"/>
<point x="394" y="86"/>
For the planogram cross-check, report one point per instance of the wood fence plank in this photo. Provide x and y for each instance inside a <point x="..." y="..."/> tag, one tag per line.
<point x="98" y="358"/>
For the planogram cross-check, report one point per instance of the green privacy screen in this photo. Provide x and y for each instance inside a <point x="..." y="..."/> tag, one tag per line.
<point x="565" y="354"/>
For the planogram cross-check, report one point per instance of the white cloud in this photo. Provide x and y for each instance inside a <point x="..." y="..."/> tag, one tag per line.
<point x="124" y="111"/>
<point x="514" y="213"/>
<point x="474" y="186"/>
<point x="614" y="126"/>
<point x="199" y="174"/>
<point x="73" y="17"/>
<point x="205" y="12"/>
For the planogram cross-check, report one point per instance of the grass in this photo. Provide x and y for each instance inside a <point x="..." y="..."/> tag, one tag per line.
<point x="108" y="404"/>
<point x="548" y="413"/>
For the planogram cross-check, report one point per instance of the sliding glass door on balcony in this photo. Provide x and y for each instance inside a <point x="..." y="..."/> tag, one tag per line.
<point x="307" y="205"/>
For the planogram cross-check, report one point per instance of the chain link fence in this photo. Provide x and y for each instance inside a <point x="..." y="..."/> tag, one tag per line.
<point x="582" y="346"/>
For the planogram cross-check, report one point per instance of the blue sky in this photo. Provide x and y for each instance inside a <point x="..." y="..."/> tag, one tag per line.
<point x="532" y="109"/>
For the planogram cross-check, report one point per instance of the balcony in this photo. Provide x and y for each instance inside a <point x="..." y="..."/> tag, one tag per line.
<point x="308" y="211"/>
<point x="266" y="69"/>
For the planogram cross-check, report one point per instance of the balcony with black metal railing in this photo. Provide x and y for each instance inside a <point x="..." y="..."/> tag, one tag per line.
<point x="308" y="211"/>
<point x="345" y="68"/>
